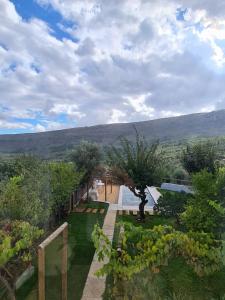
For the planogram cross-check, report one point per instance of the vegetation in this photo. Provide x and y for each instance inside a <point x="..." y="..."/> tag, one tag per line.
<point x="16" y="243"/>
<point x="64" y="179"/>
<point x="137" y="165"/>
<point x="199" y="157"/>
<point x="144" y="250"/>
<point x="81" y="252"/>
<point x="87" y="157"/>
<point x="152" y="248"/>
<point x="177" y="280"/>
<point x="32" y="195"/>
<point x="187" y="228"/>
<point x="172" y="204"/>
<point x="205" y="212"/>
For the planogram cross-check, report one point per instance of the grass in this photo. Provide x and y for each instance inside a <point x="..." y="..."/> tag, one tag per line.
<point x="177" y="281"/>
<point x="80" y="251"/>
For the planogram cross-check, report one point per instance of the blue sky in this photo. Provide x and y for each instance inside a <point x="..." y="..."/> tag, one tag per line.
<point x="66" y="64"/>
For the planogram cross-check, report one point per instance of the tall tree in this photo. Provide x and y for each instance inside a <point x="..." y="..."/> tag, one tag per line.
<point x="205" y="211"/>
<point x="137" y="165"/>
<point x="64" y="179"/>
<point x="199" y="157"/>
<point x="87" y="157"/>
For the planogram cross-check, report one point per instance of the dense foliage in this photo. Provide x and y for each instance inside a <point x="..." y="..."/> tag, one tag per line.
<point x="199" y="157"/>
<point x="33" y="194"/>
<point x="64" y="179"/>
<point x="87" y="156"/>
<point x="137" y="165"/>
<point x="172" y="204"/>
<point x="37" y="190"/>
<point x="16" y="240"/>
<point x="205" y="212"/>
<point x="153" y="248"/>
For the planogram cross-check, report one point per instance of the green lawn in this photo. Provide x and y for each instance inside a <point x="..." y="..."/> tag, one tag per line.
<point x="177" y="281"/>
<point x="81" y="251"/>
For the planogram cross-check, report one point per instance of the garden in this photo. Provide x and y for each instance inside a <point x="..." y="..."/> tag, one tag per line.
<point x="179" y="252"/>
<point x="176" y="253"/>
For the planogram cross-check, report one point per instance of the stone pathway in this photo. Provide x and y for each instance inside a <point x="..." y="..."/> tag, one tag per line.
<point x="95" y="287"/>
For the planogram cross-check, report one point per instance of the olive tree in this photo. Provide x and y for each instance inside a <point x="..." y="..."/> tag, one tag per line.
<point x="137" y="165"/>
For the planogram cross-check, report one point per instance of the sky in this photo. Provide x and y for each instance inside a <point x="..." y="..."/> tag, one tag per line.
<point x="71" y="63"/>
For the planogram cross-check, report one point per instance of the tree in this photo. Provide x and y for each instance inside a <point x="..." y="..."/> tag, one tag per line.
<point x="172" y="204"/>
<point x="21" y="202"/>
<point x="199" y="157"/>
<point x="87" y="157"/>
<point x="7" y="169"/>
<point x="205" y="212"/>
<point x="26" y="196"/>
<point x="64" y="179"/>
<point x="137" y="165"/>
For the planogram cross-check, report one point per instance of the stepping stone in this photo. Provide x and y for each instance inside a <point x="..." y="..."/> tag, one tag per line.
<point x="94" y="210"/>
<point x="89" y="210"/>
<point x="79" y="209"/>
<point x="120" y="212"/>
<point x="127" y="212"/>
<point x="102" y="211"/>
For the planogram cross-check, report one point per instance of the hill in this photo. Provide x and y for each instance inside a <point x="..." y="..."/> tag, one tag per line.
<point x="54" y="143"/>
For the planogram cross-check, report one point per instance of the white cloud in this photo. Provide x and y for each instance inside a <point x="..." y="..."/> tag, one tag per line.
<point x="138" y="103"/>
<point x="116" y="116"/>
<point x="68" y="109"/>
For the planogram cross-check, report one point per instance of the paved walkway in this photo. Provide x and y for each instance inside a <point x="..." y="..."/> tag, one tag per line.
<point x="95" y="287"/>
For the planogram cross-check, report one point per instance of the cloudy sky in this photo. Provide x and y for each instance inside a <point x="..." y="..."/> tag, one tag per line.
<point x="69" y="63"/>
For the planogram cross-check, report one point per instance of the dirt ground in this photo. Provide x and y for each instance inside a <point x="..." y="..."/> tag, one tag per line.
<point x="112" y="193"/>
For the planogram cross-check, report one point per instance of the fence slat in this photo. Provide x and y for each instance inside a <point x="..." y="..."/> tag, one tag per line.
<point x="41" y="273"/>
<point x="64" y="263"/>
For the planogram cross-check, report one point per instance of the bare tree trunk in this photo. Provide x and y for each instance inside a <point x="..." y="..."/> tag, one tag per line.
<point x="142" y="207"/>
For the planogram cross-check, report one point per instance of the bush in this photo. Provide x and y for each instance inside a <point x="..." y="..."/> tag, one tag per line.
<point x="172" y="204"/>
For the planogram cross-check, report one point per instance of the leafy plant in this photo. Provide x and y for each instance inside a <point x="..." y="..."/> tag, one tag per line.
<point x="153" y="248"/>
<point x="172" y="204"/>
<point x="16" y="239"/>
<point x="205" y="211"/>
<point x="64" y="179"/>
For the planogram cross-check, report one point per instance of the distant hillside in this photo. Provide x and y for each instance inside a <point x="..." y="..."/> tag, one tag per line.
<point x="54" y="143"/>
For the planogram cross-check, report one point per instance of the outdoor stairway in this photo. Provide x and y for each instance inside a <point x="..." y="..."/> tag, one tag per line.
<point x="89" y="210"/>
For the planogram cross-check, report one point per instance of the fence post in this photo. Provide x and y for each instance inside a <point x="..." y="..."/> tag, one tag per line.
<point x="41" y="273"/>
<point x="64" y="263"/>
<point x="105" y="190"/>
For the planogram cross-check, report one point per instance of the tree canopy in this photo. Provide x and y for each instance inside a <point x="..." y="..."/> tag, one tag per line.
<point x="199" y="157"/>
<point x="205" y="211"/>
<point x="137" y="165"/>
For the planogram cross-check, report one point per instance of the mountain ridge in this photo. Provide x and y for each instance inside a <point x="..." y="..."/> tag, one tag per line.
<point x="51" y="143"/>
